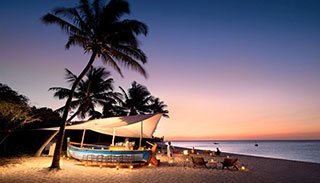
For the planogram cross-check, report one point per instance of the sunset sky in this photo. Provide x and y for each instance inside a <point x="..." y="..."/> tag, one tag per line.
<point x="227" y="69"/>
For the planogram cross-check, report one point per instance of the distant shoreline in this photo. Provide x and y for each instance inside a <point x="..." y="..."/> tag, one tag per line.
<point x="238" y="140"/>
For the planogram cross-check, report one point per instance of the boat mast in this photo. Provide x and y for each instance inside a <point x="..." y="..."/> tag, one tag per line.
<point x="114" y="136"/>
<point x="141" y="135"/>
<point x="84" y="132"/>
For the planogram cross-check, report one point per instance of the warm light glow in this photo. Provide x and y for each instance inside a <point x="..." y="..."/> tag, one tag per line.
<point x="150" y="164"/>
<point x="187" y="159"/>
<point x="159" y="152"/>
<point x="117" y="166"/>
<point x="186" y="152"/>
<point x="131" y="166"/>
<point x="197" y="153"/>
<point x="228" y="156"/>
<point x="243" y="167"/>
<point x="102" y="148"/>
<point x="210" y="154"/>
<point x="212" y="160"/>
<point x="170" y="161"/>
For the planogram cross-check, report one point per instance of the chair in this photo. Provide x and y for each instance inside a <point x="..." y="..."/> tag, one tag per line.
<point x="230" y="162"/>
<point x="175" y="151"/>
<point x="198" y="161"/>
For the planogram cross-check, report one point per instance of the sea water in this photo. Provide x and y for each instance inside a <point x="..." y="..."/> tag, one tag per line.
<point x="298" y="150"/>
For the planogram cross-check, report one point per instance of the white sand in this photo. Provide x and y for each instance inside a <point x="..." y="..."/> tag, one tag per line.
<point x="33" y="169"/>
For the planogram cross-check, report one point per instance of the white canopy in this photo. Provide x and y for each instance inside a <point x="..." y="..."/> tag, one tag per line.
<point x="125" y="126"/>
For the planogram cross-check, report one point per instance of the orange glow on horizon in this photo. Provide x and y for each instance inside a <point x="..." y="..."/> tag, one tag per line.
<point x="270" y="136"/>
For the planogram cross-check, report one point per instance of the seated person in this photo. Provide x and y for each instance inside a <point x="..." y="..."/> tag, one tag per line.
<point x="218" y="152"/>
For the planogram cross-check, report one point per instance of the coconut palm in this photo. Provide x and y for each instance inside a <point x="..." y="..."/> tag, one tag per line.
<point x="100" y="31"/>
<point x="136" y="101"/>
<point x="157" y="106"/>
<point x="95" y="90"/>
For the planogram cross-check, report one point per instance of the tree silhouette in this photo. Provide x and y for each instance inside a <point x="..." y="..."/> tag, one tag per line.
<point x="136" y="101"/>
<point x="96" y="89"/>
<point x="99" y="31"/>
<point x="157" y="106"/>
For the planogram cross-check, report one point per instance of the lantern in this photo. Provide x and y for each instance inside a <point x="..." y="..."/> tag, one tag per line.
<point x="185" y="152"/>
<point x="243" y="167"/>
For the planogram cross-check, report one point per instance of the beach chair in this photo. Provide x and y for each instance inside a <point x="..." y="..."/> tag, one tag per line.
<point x="175" y="151"/>
<point x="198" y="161"/>
<point x="230" y="162"/>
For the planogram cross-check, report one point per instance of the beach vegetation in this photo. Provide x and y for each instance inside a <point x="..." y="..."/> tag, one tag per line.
<point x="15" y="113"/>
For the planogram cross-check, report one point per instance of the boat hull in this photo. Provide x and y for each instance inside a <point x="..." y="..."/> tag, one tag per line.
<point x="101" y="153"/>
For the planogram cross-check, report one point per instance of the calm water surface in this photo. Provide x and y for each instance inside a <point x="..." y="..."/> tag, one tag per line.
<point x="299" y="150"/>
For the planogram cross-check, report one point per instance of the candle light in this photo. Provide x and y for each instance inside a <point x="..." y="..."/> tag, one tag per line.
<point x="228" y="156"/>
<point x="185" y="152"/>
<point x="150" y="164"/>
<point x="243" y="167"/>
<point x="212" y="160"/>
<point x="131" y="166"/>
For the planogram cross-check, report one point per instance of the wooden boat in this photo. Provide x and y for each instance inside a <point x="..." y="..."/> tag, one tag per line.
<point x="107" y="153"/>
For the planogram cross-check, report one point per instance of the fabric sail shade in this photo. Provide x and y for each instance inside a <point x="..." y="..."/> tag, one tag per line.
<point x="124" y="126"/>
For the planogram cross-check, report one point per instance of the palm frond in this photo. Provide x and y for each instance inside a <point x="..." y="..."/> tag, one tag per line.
<point x="107" y="59"/>
<point x="114" y="10"/>
<point x="69" y="76"/>
<point x="64" y="25"/>
<point x="60" y="93"/>
<point x="128" y="62"/>
<point x="134" y="26"/>
<point x="131" y="51"/>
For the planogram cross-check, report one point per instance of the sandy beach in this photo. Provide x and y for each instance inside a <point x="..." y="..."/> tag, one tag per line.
<point x="32" y="169"/>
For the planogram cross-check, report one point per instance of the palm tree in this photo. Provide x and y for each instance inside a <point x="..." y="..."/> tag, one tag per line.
<point x="157" y="106"/>
<point x="137" y="99"/>
<point x="97" y="89"/>
<point x="98" y="29"/>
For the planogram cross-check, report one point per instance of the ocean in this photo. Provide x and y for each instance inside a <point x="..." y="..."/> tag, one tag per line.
<point x="297" y="150"/>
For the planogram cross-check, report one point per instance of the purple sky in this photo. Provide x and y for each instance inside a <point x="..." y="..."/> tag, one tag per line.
<point x="227" y="69"/>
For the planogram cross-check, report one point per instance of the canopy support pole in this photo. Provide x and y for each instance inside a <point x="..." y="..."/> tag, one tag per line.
<point x="114" y="136"/>
<point x="141" y="135"/>
<point x="84" y="132"/>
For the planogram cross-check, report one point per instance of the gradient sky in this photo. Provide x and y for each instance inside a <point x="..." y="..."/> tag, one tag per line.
<point x="227" y="69"/>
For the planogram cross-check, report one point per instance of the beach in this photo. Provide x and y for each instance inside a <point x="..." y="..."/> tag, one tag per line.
<point x="35" y="169"/>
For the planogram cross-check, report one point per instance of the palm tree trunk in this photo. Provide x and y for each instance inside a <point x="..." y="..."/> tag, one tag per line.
<point x="49" y="138"/>
<point x="57" y="150"/>
<point x="74" y="115"/>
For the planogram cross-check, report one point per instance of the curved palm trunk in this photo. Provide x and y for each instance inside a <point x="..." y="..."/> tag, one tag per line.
<point x="57" y="151"/>
<point x="48" y="140"/>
